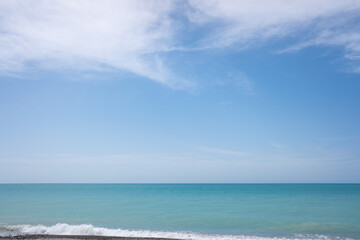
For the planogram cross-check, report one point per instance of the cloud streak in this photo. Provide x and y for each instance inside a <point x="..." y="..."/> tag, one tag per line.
<point x="124" y="35"/>
<point x="134" y="36"/>
<point x="256" y="21"/>
<point x="247" y="24"/>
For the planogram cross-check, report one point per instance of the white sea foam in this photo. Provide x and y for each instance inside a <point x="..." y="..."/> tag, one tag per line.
<point x="87" y="229"/>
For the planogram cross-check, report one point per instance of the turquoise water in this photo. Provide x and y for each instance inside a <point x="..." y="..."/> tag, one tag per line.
<point x="247" y="210"/>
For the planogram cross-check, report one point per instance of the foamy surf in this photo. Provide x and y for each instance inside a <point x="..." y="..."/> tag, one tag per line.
<point x="90" y="230"/>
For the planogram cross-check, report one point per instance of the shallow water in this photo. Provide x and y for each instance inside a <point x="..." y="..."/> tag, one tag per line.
<point x="197" y="211"/>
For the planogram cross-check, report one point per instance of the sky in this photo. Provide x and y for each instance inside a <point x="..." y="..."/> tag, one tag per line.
<point x="143" y="91"/>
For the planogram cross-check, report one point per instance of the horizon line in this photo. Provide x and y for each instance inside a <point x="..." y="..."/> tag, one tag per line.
<point x="170" y="183"/>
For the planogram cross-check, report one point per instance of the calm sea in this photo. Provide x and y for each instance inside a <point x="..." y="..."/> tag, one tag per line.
<point x="187" y="211"/>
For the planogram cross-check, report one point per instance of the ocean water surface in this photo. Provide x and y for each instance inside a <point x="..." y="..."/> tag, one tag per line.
<point x="186" y="211"/>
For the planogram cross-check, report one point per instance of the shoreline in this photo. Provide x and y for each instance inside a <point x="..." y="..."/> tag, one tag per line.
<point x="77" y="237"/>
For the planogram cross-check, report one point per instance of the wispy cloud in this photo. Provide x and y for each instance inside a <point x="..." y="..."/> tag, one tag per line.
<point x="254" y="21"/>
<point x="135" y="35"/>
<point x="238" y="80"/>
<point x="348" y="39"/>
<point x="246" y="24"/>
<point x="124" y="35"/>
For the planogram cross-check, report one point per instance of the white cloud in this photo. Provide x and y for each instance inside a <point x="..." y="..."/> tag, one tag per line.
<point x="125" y="35"/>
<point x="349" y="40"/>
<point x="134" y="35"/>
<point x="237" y="79"/>
<point x="248" y="23"/>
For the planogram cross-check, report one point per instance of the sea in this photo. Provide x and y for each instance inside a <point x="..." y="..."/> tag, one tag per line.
<point x="183" y="211"/>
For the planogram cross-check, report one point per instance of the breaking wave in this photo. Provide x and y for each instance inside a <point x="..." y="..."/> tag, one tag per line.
<point x="90" y="230"/>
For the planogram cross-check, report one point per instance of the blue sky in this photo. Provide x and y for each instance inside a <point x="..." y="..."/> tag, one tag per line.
<point x="179" y="91"/>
